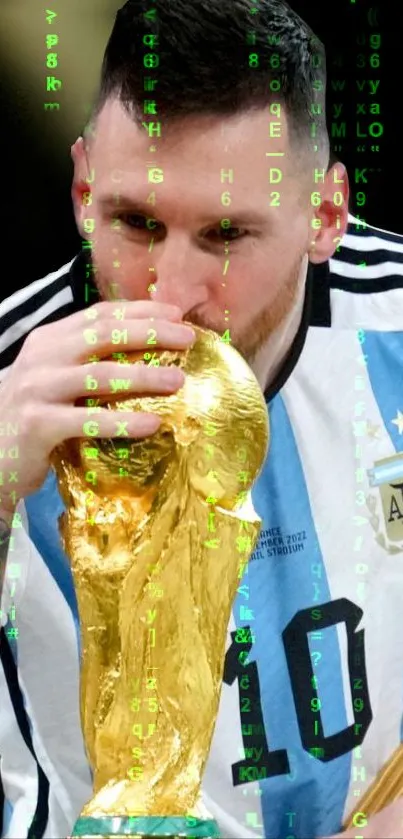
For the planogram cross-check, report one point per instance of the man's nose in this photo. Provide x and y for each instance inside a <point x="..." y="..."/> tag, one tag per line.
<point x="179" y="274"/>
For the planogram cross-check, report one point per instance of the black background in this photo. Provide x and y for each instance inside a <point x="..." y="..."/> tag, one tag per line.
<point x="38" y="228"/>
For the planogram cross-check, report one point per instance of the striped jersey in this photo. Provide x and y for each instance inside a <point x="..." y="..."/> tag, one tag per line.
<point x="312" y="699"/>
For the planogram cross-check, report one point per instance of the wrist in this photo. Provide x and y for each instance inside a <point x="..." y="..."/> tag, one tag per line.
<point x="7" y="512"/>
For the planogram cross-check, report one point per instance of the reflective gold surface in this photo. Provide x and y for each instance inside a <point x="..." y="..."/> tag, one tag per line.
<point x="157" y="547"/>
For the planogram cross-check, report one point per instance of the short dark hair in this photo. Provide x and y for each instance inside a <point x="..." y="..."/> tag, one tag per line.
<point x="205" y="68"/>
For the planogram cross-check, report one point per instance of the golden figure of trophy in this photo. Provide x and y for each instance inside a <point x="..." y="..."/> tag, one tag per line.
<point x="159" y="532"/>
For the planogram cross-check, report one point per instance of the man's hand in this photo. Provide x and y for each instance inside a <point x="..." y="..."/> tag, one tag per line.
<point x="388" y="824"/>
<point x="55" y="368"/>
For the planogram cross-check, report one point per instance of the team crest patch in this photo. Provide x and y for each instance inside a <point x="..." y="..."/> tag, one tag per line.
<point x="385" y="503"/>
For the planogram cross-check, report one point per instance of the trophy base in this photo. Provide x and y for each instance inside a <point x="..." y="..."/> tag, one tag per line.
<point x="146" y="827"/>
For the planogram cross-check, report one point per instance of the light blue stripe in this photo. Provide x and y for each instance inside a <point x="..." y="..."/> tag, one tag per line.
<point x="280" y="586"/>
<point x="43" y="510"/>
<point x="387" y="472"/>
<point x="8" y="811"/>
<point x="384" y="357"/>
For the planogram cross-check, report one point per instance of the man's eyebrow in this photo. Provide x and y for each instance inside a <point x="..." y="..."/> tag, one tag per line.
<point x="124" y="203"/>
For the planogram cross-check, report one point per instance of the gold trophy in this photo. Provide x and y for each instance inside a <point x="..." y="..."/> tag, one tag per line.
<point x="159" y="532"/>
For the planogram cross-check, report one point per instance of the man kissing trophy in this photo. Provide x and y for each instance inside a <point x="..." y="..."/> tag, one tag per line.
<point x="158" y="547"/>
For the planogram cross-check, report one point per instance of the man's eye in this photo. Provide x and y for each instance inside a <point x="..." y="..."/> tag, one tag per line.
<point x="134" y="220"/>
<point x="230" y="233"/>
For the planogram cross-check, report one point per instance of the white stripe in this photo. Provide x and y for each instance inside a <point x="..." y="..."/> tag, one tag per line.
<point x="381" y="311"/>
<point x="27" y="324"/>
<point x="28" y="291"/>
<point x="365" y="272"/>
<point x="370" y="243"/>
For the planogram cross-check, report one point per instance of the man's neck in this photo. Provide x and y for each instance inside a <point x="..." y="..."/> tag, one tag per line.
<point x="271" y="356"/>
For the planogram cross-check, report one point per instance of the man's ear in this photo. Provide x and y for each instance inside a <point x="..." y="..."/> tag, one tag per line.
<point x="81" y="185"/>
<point x="330" y="218"/>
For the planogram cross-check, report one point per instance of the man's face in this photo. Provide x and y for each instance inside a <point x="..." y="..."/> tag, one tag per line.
<point x="244" y="278"/>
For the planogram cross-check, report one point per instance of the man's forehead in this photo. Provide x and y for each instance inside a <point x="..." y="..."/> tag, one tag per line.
<point x="260" y="135"/>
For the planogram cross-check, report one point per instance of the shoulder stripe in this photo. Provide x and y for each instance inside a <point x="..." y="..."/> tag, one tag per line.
<point x="8" y="356"/>
<point x="23" y="325"/>
<point x="382" y="270"/>
<point x="377" y="256"/>
<point x="32" y="291"/>
<point x="371" y="244"/>
<point x="368" y="287"/>
<point x="27" y="300"/>
<point x="370" y="260"/>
